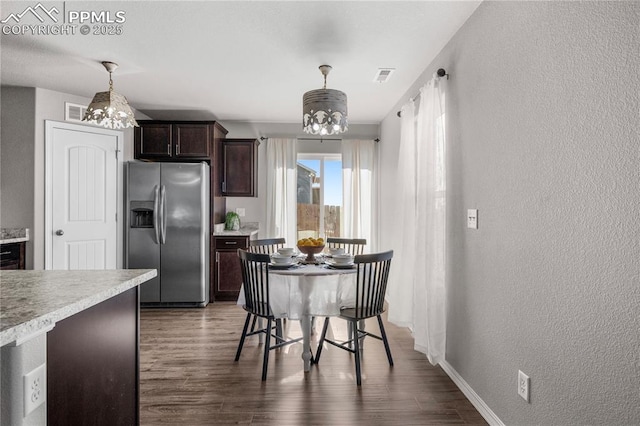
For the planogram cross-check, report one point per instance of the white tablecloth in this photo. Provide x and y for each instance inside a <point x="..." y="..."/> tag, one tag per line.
<point x="309" y="290"/>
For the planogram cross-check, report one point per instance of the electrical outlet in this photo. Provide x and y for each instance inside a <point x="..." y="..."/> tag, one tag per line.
<point x="523" y="385"/>
<point x="472" y="218"/>
<point x="240" y="211"/>
<point x="35" y="388"/>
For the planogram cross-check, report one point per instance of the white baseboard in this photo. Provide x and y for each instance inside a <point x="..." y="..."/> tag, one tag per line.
<point x="471" y="395"/>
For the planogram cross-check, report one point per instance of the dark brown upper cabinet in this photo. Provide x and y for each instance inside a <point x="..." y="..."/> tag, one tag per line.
<point x="158" y="140"/>
<point x="239" y="168"/>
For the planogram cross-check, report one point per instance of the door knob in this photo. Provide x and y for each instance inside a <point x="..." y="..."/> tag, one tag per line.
<point x="59" y="232"/>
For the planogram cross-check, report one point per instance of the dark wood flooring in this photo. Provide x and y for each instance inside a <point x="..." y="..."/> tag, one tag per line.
<point x="189" y="377"/>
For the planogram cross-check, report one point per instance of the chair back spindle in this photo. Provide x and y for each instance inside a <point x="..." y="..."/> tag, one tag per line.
<point x="255" y="280"/>
<point x="371" y="283"/>
<point x="355" y="246"/>
<point x="266" y="246"/>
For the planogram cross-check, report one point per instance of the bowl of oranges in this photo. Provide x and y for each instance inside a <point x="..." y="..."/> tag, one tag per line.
<point x="310" y="247"/>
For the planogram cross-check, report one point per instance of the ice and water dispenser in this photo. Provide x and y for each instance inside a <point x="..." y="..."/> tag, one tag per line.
<point x="142" y="214"/>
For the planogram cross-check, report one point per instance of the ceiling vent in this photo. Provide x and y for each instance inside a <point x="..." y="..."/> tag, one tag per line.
<point x="383" y="74"/>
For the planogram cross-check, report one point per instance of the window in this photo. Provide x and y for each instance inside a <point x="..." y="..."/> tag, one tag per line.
<point x="319" y="195"/>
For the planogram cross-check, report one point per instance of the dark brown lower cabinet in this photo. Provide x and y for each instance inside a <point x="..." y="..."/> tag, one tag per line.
<point x="228" y="276"/>
<point x="12" y="255"/>
<point x="93" y="365"/>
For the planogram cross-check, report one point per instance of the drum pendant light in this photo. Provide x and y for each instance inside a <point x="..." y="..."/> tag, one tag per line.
<point x="324" y="111"/>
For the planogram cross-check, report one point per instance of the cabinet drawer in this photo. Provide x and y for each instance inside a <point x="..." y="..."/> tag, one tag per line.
<point x="231" y="242"/>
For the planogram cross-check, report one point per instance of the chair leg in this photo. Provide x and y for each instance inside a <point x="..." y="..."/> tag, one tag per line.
<point x="253" y="323"/>
<point x="384" y="339"/>
<point x="321" y="342"/>
<point x="267" y="344"/>
<point x="244" y="334"/>
<point x="279" y="333"/>
<point x="356" y="341"/>
<point x="361" y="327"/>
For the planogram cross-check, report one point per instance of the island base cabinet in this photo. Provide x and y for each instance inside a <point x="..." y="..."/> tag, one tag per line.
<point x="93" y="365"/>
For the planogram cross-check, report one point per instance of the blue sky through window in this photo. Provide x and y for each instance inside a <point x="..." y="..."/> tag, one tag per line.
<point x="332" y="179"/>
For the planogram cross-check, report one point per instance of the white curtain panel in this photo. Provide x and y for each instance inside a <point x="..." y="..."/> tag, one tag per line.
<point x="401" y="278"/>
<point x="358" y="180"/>
<point x="421" y="284"/>
<point x="281" y="189"/>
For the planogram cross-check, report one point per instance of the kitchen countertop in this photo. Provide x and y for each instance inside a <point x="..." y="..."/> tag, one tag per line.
<point x="33" y="301"/>
<point x="246" y="230"/>
<point x="13" y="235"/>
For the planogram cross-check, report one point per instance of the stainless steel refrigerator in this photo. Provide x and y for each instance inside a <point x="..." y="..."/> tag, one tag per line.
<point x="167" y="207"/>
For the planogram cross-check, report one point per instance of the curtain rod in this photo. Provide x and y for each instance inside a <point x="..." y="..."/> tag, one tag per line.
<point x="440" y="73"/>
<point x="262" y="138"/>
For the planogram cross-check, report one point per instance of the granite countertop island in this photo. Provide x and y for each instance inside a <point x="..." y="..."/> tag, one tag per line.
<point x="31" y="302"/>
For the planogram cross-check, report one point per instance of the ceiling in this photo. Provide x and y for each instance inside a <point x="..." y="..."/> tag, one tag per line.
<point x="236" y="60"/>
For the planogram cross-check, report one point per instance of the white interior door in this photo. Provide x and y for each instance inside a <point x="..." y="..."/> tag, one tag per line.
<point x="83" y="182"/>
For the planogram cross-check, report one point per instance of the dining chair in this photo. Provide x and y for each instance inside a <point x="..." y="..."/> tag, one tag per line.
<point x="266" y="246"/>
<point x="255" y="282"/>
<point x="371" y="285"/>
<point x="354" y="246"/>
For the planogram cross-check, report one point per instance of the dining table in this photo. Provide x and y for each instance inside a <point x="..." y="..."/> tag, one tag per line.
<point x="302" y="291"/>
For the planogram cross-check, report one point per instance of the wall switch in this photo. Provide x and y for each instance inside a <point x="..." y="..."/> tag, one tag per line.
<point x="523" y="385"/>
<point x="35" y="388"/>
<point x="472" y="218"/>
<point x="240" y="211"/>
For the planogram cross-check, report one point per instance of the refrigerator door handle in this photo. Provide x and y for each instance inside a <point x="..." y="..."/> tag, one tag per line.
<point x="163" y="214"/>
<point x="156" y="212"/>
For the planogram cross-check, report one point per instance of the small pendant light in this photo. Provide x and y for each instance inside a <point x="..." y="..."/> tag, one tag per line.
<point x="110" y="109"/>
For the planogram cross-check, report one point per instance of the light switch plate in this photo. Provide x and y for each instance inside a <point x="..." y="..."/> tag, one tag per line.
<point x="240" y="211"/>
<point x="472" y="218"/>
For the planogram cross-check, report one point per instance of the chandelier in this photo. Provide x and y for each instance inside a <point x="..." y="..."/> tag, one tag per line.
<point x="110" y="109"/>
<point x="324" y="111"/>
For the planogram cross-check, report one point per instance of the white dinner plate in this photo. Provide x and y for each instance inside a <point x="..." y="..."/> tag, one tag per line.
<point x="343" y="265"/>
<point x="282" y="265"/>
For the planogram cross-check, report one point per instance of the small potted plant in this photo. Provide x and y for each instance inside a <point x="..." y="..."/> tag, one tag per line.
<point x="232" y="222"/>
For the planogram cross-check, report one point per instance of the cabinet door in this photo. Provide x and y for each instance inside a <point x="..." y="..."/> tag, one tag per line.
<point x="239" y="170"/>
<point x="192" y="141"/>
<point x="228" y="276"/>
<point x="153" y="141"/>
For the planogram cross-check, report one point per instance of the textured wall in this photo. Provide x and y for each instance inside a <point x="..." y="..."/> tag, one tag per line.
<point x="17" y="125"/>
<point x="543" y="122"/>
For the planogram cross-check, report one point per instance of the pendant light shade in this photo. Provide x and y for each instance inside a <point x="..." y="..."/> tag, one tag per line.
<point x="324" y="111"/>
<point x="110" y="109"/>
